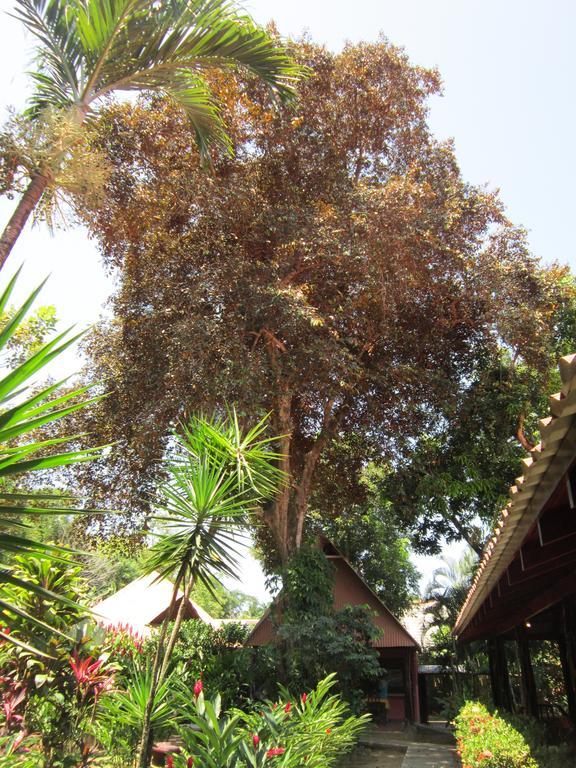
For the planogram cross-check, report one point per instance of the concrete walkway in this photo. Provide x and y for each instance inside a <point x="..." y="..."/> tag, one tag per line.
<point x="430" y="756"/>
<point x="415" y="749"/>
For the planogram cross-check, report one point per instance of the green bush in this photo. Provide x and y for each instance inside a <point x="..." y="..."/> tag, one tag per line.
<point x="312" y="729"/>
<point x="215" y="655"/>
<point x="487" y="741"/>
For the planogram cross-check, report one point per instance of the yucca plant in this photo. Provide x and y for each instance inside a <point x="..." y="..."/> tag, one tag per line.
<point x="88" y="49"/>
<point x="217" y="477"/>
<point x="24" y="409"/>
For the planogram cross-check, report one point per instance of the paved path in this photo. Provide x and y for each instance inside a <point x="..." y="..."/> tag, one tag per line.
<point x="429" y="756"/>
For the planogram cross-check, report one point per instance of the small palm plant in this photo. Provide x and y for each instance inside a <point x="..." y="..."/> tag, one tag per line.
<point x="24" y="409"/>
<point x="218" y="476"/>
<point x="89" y="49"/>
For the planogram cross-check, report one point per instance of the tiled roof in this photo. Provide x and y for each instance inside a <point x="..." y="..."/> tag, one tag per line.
<point x="527" y="496"/>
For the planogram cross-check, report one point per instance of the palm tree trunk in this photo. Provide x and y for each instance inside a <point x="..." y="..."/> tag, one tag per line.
<point x="27" y="204"/>
<point x="161" y="661"/>
<point x="176" y="629"/>
<point x="146" y="738"/>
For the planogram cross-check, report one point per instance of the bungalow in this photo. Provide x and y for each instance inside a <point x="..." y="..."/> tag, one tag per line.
<point x="397" y="649"/>
<point x="143" y="604"/>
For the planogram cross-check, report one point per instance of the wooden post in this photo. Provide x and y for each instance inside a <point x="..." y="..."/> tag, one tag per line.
<point x="527" y="682"/>
<point x="567" y="648"/>
<point x="423" y="693"/>
<point x="499" y="679"/>
<point x="408" y="689"/>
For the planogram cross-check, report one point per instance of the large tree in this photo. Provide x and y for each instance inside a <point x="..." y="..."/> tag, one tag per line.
<point x="454" y="481"/>
<point x="89" y="50"/>
<point x="337" y="271"/>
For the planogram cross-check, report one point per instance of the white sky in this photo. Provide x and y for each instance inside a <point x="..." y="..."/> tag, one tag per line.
<point x="508" y="69"/>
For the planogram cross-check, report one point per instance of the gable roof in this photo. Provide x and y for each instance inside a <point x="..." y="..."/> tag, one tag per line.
<point x="543" y="469"/>
<point x="142" y="603"/>
<point x="349" y="589"/>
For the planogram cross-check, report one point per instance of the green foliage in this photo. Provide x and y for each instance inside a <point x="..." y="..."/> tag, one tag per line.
<point x="90" y="50"/>
<point x="367" y="533"/>
<point x="222" y="603"/>
<point x="50" y="691"/>
<point x="455" y="479"/>
<point x="307" y="583"/>
<point x="31" y="333"/>
<point x="550" y="748"/>
<point x="314" y="729"/>
<point x="314" y="640"/>
<point x="121" y="712"/>
<point x="449" y="587"/>
<point x="215" y="655"/>
<point x="338" y="642"/>
<point x="218" y="475"/>
<point x="488" y="741"/>
<point x="24" y="410"/>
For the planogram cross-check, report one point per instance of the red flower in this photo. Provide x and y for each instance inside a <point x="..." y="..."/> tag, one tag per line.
<point x="198" y="688"/>
<point x="190" y="762"/>
<point x="169" y="761"/>
<point x="328" y="730"/>
<point x="304" y="698"/>
<point x="275" y="751"/>
<point x="288" y="707"/>
<point x="255" y="740"/>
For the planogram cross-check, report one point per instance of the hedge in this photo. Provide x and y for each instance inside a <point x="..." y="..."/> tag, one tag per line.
<point x="488" y="741"/>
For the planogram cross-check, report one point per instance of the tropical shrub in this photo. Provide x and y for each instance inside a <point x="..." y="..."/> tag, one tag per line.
<point x="314" y="728"/>
<point x="217" y="656"/>
<point x="120" y="712"/>
<point x="52" y="689"/>
<point x="314" y="640"/>
<point x="487" y="741"/>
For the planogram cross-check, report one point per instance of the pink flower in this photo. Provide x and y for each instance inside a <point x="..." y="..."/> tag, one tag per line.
<point x="255" y="740"/>
<point x="275" y="751"/>
<point x="198" y="688"/>
<point x="288" y="707"/>
<point x="304" y="698"/>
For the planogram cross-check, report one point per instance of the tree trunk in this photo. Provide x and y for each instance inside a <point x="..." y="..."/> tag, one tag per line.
<point x="27" y="204"/>
<point x="145" y="748"/>
<point x="176" y="629"/>
<point x="300" y="456"/>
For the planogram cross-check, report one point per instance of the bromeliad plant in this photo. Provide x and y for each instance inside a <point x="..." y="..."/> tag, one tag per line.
<point x="218" y="476"/>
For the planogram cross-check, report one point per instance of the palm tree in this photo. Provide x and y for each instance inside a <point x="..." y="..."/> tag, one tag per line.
<point x="24" y="409"/>
<point x="218" y="476"/>
<point x="449" y="587"/>
<point x="89" y="49"/>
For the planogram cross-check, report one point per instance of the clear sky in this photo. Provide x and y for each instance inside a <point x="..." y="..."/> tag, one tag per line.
<point x="508" y="68"/>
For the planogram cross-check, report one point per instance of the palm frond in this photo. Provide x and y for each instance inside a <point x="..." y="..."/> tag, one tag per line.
<point x="22" y="452"/>
<point x="60" y="55"/>
<point x="90" y="48"/>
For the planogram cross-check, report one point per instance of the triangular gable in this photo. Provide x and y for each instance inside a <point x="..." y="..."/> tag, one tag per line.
<point x="349" y="589"/>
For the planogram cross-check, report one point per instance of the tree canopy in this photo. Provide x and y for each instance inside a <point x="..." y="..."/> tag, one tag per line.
<point x="337" y="271"/>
